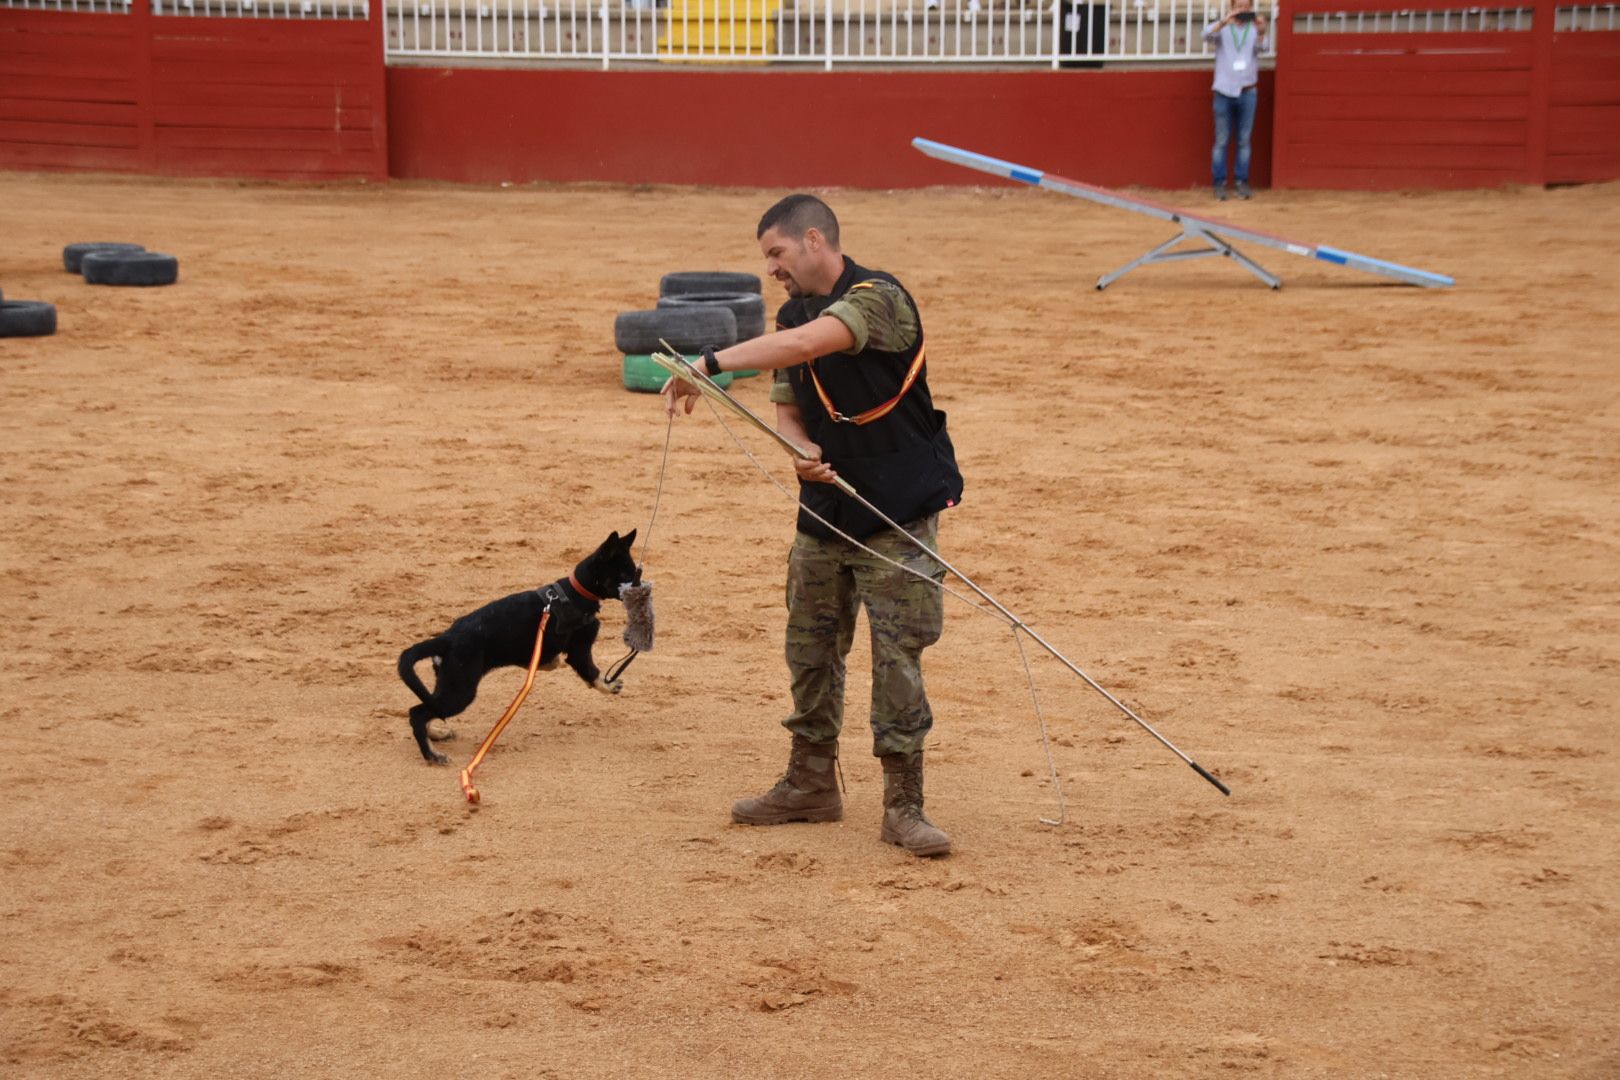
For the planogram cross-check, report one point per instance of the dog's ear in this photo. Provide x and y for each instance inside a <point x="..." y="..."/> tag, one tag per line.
<point x="629" y="539"/>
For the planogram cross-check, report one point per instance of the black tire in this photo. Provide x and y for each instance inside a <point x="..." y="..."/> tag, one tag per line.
<point x="27" y="318"/>
<point x="748" y="307"/>
<point x="646" y="377"/>
<point x="687" y="329"/>
<point x="130" y="268"/>
<point x="687" y="282"/>
<point x="73" y="254"/>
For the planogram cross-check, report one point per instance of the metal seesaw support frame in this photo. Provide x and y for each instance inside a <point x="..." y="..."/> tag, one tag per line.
<point x="1217" y="233"/>
<point x="1162" y="253"/>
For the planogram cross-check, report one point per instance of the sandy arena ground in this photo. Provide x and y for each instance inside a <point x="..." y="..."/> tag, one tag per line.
<point x="1351" y="545"/>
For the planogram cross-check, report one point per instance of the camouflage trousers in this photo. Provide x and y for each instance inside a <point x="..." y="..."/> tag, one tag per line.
<point x="828" y="582"/>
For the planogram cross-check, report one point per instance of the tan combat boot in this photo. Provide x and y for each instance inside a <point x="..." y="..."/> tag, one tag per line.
<point x="809" y="791"/>
<point x="903" y="821"/>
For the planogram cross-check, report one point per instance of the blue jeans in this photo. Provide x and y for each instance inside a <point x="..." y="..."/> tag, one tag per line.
<point x="1233" y="112"/>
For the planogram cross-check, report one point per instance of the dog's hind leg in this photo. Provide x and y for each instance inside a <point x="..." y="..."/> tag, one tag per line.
<point x="421" y="715"/>
<point x="452" y="693"/>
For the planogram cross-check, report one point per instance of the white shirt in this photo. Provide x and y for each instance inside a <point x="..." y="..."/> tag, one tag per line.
<point x="1237" y="61"/>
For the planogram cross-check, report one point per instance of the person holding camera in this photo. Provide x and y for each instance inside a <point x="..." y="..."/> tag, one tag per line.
<point x="1239" y="38"/>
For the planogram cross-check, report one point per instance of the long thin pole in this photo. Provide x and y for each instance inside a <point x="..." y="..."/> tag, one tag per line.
<point x="681" y="369"/>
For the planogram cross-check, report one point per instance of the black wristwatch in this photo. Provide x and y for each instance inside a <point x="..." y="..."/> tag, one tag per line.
<point x="711" y="363"/>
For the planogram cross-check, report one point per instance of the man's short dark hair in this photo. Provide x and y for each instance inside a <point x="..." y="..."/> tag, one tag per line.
<point x="797" y="215"/>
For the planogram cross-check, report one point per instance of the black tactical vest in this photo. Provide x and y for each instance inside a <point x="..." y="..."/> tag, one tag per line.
<point x="903" y="462"/>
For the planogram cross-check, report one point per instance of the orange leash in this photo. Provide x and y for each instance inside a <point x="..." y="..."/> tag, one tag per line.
<point x="467" y="788"/>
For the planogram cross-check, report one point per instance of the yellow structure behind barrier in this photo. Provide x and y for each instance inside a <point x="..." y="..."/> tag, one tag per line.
<point x="703" y="29"/>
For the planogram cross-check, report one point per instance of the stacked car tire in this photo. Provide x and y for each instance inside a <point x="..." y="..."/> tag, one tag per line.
<point x="120" y="264"/>
<point x="696" y="308"/>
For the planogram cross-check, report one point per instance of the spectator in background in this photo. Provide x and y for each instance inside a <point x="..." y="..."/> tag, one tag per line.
<point x="1239" y="39"/>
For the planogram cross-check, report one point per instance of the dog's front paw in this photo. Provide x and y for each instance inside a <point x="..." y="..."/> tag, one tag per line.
<point x="435" y="758"/>
<point x="608" y="686"/>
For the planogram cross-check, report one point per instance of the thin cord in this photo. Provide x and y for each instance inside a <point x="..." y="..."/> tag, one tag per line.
<point x="663" y="467"/>
<point x="1046" y="743"/>
<point x="617" y="669"/>
<point x="969" y="601"/>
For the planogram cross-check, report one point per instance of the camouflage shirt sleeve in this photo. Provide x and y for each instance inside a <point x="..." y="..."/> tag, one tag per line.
<point x="879" y="317"/>
<point x="781" y="388"/>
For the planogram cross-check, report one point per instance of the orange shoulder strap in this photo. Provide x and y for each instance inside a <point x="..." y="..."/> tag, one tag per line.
<point x="877" y="412"/>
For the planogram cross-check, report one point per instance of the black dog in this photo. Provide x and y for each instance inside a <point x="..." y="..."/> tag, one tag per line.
<point x="501" y="634"/>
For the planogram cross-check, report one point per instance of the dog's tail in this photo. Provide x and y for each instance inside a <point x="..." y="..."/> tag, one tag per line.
<point x="408" y="660"/>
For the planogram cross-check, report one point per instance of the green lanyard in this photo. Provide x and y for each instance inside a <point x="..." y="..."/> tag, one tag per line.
<point x="1237" y="42"/>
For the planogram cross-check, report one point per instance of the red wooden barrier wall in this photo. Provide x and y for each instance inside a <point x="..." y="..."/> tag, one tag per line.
<point x="1451" y="110"/>
<point x="790" y="128"/>
<point x="69" y="91"/>
<point x="190" y="96"/>
<point x="313" y="100"/>
<point x="1583" y="108"/>
<point x="1388" y="111"/>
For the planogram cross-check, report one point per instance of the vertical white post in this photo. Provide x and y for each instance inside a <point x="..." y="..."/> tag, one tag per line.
<point x="827" y="35"/>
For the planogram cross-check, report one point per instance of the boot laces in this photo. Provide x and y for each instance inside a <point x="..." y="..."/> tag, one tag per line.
<point x="909" y="802"/>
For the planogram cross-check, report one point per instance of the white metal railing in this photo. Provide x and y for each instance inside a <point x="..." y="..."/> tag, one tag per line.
<point x="1588" y="17"/>
<point x="265" y="9"/>
<point x="1454" y="21"/>
<point x="235" y="9"/>
<point x="104" y="7"/>
<point x="828" y="32"/>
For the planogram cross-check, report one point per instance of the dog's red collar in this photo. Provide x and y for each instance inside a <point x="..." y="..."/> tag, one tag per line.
<point x="582" y="590"/>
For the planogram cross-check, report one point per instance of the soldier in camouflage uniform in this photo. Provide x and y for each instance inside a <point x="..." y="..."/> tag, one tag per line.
<point x="851" y="389"/>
